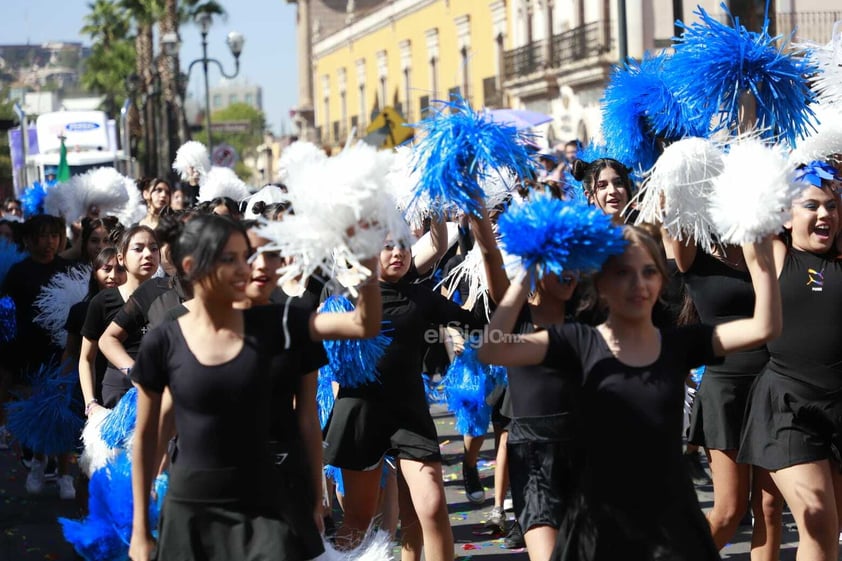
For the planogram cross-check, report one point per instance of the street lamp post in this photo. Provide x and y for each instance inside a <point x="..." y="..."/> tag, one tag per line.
<point x="235" y="42"/>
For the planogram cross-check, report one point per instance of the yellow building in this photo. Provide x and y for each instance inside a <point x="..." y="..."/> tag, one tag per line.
<point x="405" y="54"/>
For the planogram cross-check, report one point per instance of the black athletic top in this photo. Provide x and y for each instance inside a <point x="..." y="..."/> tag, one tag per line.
<point x="411" y="312"/>
<point x="810" y="346"/>
<point x="101" y="311"/>
<point x="722" y="294"/>
<point x="32" y="345"/>
<point x="628" y="411"/>
<point x="539" y="390"/>
<point x="148" y="306"/>
<point x="223" y="412"/>
<point x="74" y="324"/>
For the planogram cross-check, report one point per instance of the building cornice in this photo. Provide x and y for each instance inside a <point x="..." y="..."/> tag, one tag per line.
<point x="396" y="9"/>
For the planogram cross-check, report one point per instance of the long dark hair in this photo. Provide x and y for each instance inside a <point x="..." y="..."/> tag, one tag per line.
<point x="105" y="255"/>
<point x="203" y="238"/>
<point x="89" y="225"/>
<point x="587" y="172"/>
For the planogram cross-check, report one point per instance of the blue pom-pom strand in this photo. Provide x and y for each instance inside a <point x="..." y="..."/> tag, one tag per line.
<point x="352" y="363"/>
<point x="118" y="426"/>
<point x="8" y="320"/>
<point x="714" y="64"/>
<point x="467" y="384"/>
<point x="47" y="421"/>
<point x="458" y="148"/>
<point x="32" y="199"/>
<point x="324" y="397"/>
<point x="551" y="236"/>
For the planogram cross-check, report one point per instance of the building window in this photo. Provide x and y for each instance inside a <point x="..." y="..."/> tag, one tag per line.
<point x="250" y="99"/>
<point x="343" y="108"/>
<point x="423" y="105"/>
<point x="407" y="87"/>
<point x="383" y="99"/>
<point x="336" y="132"/>
<point x="232" y="99"/>
<point x="362" y="105"/>
<point x="453" y="92"/>
<point x="354" y="124"/>
<point x="217" y="100"/>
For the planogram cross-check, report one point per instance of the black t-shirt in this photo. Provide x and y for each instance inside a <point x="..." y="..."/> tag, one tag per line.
<point x="722" y="294"/>
<point x="32" y="345"/>
<point x="225" y="414"/>
<point x="810" y="345"/>
<point x="539" y="390"/>
<point x="149" y="305"/>
<point x="76" y="317"/>
<point x="103" y="308"/>
<point x="628" y="411"/>
<point x="408" y="312"/>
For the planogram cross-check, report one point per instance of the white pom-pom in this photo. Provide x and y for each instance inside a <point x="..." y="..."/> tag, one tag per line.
<point x="103" y="188"/>
<point x="135" y="209"/>
<point x="194" y="155"/>
<point x="298" y="155"/>
<point x="753" y="194"/>
<point x="498" y="184"/>
<point x="55" y="300"/>
<point x="828" y="58"/>
<point x="59" y="201"/>
<point x="269" y="194"/>
<point x="678" y="189"/>
<point x="96" y="452"/>
<point x="343" y="211"/>
<point x="376" y="545"/>
<point x="222" y="182"/>
<point x="471" y="271"/>
<point x="825" y="142"/>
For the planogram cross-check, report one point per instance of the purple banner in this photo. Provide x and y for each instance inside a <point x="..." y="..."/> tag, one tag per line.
<point x="16" y="149"/>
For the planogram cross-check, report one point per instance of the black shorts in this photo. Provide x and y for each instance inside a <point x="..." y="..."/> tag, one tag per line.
<point x="790" y="422"/>
<point x="716" y="421"/>
<point x="540" y="469"/>
<point x="360" y="432"/>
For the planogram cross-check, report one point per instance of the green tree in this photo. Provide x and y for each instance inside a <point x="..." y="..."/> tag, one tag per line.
<point x="243" y="142"/>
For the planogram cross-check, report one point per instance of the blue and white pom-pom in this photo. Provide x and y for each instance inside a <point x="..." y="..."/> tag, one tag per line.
<point x="222" y="182"/>
<point x="95" y="452"/>
<point x="715" y="64"/>
<point x="194" y="155"/>
<point x="32" y="199"/>
<point x="467" y="384"/>
<point x="352" y="363"/>
<point x="8" y="319"/>
<point x="551" y="236"/>
<point x="823" y="144"/>
<point x="117" y="428"/>
<point x="104" y="535"/>
<point x="639" y="110"/>
<point x="677" y="191"/>
<point x="48" y="421"/>
<point x="753" y="195"/>
<point x="458" y="148"/>
<point x="53" y="303"/>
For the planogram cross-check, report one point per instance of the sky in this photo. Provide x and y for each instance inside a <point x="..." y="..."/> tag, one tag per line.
<point x="268" y="58"/>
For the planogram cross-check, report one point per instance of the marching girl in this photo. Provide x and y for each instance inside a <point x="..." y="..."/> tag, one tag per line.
<point x="156" y="194"/>
<point x="96" y="234"/>
<point x="231" y="373"/>
<point x="607" y="185"/>
<point x="793" y="423"/>
<point x="139" y="256"/>
<point x="630" y="378"/>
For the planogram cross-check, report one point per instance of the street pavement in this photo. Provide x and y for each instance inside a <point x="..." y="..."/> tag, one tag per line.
<point x="29" y="531"/>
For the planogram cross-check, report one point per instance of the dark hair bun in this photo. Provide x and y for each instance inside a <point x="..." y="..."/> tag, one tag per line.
<point x="579" y="168"/>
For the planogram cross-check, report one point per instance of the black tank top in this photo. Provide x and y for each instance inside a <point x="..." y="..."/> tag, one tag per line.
<point x="810" y="346"/>
<point x="722" y="294"/>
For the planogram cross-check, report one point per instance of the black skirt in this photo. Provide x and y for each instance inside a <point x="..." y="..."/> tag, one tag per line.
<point x="360" y="432"/>
<point x="790" y="422"/>
<point x="255" y="513"/>
<point x="716" y="421"/>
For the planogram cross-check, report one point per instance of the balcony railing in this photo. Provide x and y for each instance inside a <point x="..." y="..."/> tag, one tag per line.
<point x="589" y="40"/>
<point x="813" y="26"/>
<point x="491" y="94"/>
<point x="524" y="60"/>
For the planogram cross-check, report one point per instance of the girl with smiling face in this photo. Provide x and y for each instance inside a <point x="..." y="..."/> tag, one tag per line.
<point x="139" y="256"/>
<point x="607" y="184"/>
<point x="630" y="387"/>
<point x="241" y="381"/>
<point x="795" y="408"/>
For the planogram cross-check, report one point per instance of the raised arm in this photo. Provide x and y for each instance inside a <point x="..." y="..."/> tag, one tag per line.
<point x="495" y="272"/>
<point x="500" y="345"/>
<point x="144" y="464"/>
<point x="426" y="255"/>
<point x="362" y="323"/>
<point x="111" y="345"/>
<point x="767" y="320"/>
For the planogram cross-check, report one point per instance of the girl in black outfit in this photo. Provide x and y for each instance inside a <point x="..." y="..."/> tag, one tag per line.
<point x="795" y="418"/>
<point x="630" y="378"/>
<point x="231" y="373"/>
<point x="607" y="185"/>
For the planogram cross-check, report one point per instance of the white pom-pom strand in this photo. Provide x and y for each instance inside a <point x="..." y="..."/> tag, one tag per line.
<point x="189" y="155"/>
<point x="753" y="194"/>
<point x="222" y="182"/>
<point x="826" y="142"/>
<point x="55" y="300"/>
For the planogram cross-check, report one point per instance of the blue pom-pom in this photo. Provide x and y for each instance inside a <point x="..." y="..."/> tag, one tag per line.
<point x="639" y="108"/>
<point x="32" y="199"/>
<point x="551" y="236"/>
<point x="156" y="505"/>
<point x="8" y="321"/>
<point x="715" y="63"/>
<point x="324" y="397"/>
<point x="434" y="390"/>
<point x="335" y="473"/>
<point x="352" y="363"/>
<point x="459" y="147"/>
<point x="106" y="532"/>
<point x="697" y="374"/>
<point x="467" y="384"/>
<point x="9" y="256"/>
<point x="118" y="426"/>
<point x="47" y="420"/>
